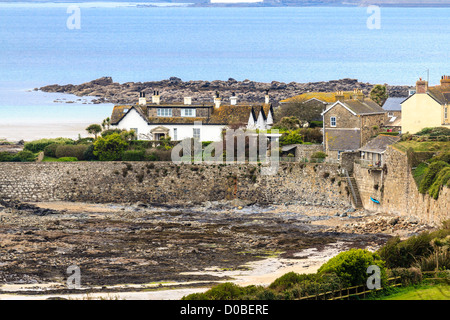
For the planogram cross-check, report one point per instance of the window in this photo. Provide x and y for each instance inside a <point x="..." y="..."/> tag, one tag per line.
<point x="188" y="112"/>
<point x="445" y="113"/>
<point x="390" y="114"/>
<point x="196" y="133"/>
<point x="175" y="134"/>
<point x="164" y="112"/>
<point x="333" y="121"/>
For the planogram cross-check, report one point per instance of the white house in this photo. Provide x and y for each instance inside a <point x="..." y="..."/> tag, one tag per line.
<point x="152" y="121"/>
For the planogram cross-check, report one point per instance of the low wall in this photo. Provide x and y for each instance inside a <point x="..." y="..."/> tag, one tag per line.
<point x="165" y="182"/>
<point x="397" y="190"/>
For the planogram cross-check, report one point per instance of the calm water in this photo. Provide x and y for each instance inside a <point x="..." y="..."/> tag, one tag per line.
<point x="261" y="44"/>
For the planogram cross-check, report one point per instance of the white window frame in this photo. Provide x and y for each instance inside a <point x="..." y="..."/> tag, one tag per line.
<point x="188" y="112"/>
<point x="194" y="134"/>
<point x="390" y="114"/>
<point x="164" y="112"/>
<point x="333" y="119"/>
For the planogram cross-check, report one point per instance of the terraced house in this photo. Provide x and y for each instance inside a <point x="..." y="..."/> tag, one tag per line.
<point x="206" y="122"/>
<point x="350" y="122"/>
<point x="428" y="107"/>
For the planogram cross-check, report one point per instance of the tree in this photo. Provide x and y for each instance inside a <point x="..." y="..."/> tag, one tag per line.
<point x="94" y="129"/>
<point x="378" y="94"/>
<point x="288" y="123"/>
<point x="110" y="148"/>
<point x="106" y="123"/>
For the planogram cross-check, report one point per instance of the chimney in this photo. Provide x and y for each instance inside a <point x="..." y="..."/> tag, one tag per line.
<point x="233" y="99"/>
<point x="266" y="97"/>
<point x="217" y="100"/>
<point x="421" y="86"/>
<point x="339" y="96"/>
<point x="187" y="100"/>
<point x="358" y="95"/>
<point x="445" y="81"/>
<point x="155" y="97"/>
<point x="142" y="100"/>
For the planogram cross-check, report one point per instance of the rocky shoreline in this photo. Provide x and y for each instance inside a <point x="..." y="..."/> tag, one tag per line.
<point x="136" y="247"/>
<point x="174" y="89"/>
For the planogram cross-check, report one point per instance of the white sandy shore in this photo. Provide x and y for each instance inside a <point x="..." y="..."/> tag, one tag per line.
<point x="30" y="131"/>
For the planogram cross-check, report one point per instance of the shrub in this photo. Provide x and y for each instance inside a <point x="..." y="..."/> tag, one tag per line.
<point x="409" y="276"/>
<point x="50" y="150"/>
<point x="134" y="155"/>
<point x="89" y="153"/>
<point x="351" y="266"/>
<point x="292" y="137"/>
<point x="442" y="178"/>
<point x="290" y="279"/>
<point x="39" y="145"/>
<point x="319" y="155"/>
<point x="24" y="156"/>
<point x="161" y="155"/>
<point x="6" y="157"/>
<point x="224" y="291"/>
<point x="110" y="148"/>
<point x="76" y="151"/>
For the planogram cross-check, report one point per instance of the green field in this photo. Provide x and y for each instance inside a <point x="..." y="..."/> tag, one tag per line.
<point x="436" y="292"/>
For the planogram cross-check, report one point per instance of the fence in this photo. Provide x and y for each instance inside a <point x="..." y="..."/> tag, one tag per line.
<point x="347" y="293"/>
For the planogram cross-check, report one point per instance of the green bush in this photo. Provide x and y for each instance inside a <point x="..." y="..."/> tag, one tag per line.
<point x="434" y="132"/>
<point x="37" y="146"/>
<point x="89" y="153"/>
<point x="409" y="276"/>
<point x="6" y="157"/>
<point x="110" y="148"/>
<point x="292" y="137"/>
<point x="224" y="291"/>
<point x="76" y="151"/>
<point x="319" y="155"/>
<point x="134" y="155"/>
<point x="50" y="150"/>
<point x="289" y="280"/>
<point x="351" y="266"/>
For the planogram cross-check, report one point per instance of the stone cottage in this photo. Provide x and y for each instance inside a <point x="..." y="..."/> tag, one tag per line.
<point x="349" y="123"/>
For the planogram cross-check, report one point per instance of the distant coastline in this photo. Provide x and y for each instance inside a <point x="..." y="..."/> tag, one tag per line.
<point x="264" y="3"/>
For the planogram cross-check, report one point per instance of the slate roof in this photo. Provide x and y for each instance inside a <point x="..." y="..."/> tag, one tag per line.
<point x="224" y="115"/>
<point x="440" y="93"/>
<point x="367" y="106"/>
<point x="393" y="104"/>
<point x="379" y="144"/>
<point x="343" y="139"/>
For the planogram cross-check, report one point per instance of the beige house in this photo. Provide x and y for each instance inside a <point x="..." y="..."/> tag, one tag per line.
<point x="428" y="107"/>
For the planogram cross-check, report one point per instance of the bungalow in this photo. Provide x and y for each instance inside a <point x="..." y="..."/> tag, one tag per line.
<point x="427" y="107"/>
<point x="153" y="121"/>
<point x="349" y="123"/>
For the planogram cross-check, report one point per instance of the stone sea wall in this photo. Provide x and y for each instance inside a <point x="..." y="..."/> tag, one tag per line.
<point x="397" y="191"/>
<point x="168" y="183"/>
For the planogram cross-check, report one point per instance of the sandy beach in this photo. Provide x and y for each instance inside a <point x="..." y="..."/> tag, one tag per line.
<point x="32" y="131"/>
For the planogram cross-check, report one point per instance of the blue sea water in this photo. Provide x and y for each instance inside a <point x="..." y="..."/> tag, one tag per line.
<point x="132" y="43"/>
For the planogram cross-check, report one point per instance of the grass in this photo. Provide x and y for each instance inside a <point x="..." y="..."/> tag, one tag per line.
<point x="423" y="146"/>
<point x="421" y="292"/>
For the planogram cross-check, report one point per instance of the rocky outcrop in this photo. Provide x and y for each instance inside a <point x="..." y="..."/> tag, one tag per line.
<point x="174" y="89"/>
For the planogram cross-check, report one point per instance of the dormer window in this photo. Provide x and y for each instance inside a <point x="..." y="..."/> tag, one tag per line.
<point x="164" y="112"/>
<point x="188" y="112"/>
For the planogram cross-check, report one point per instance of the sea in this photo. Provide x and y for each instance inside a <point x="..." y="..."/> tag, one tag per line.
<point x="71" y="43"/>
